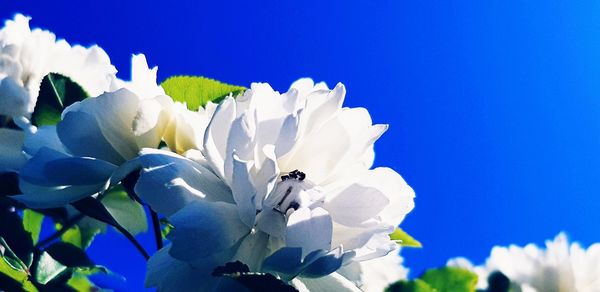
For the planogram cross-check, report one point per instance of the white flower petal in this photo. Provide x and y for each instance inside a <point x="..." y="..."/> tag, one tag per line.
<point x="393" y="186"/>
<point x="203" y="229"/>
<point x="150" y="121"/>
<point x="169" y="274"/>
<point x="330" y="283"/>
<point x="271" y="222"/>
<point x="379" y="273"/>
<point x="52" y="179"/>
<point x="169" y="182"/>
<point x="240" y="141"/>
<point x="243" y="191"/>
<point x="11" y="156"/>
<point x="110" y="116"/>
<point x="216" y="136"/>
<point x="309" y="229"/>
<point x="322" y="105"/>
<point x="143" y="79"/>
<point x="14" y="100"/>
<point x="77" y="129"/>
<point x="45" y="136"/>
<point x="319" y="152"/>
<point x="253" y="250"/>
<point x="355" y="204"/>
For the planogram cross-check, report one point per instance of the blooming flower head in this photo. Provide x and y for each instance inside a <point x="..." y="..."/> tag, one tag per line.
<point x="283" y="184"/>
<point x="27" y="55"/>
<point x="560" y="267"/>
<point x="376" y="274"/>
<point x="97" y="138"/>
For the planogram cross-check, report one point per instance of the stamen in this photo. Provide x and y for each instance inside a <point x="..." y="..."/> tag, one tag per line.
<point x="287" y="193"/>
<point x="294" y="174"/>
<point x="294" y="205"/>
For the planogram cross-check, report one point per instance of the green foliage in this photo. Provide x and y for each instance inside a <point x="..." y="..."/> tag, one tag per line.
<point x="56" y="93"/>
<point x="166" y="227"/>
<point x="81" y="283"/>
<point x="48" y="269"/>
<point x="69" y="255"/>
<point x="15" y="235"/>
<point x="439" y="280"/>
<point x="94" y="208"/>
<point x="196" y="91"/>
<point x="82" y="234"/>
<point x="410" y="286"/>
<point x="127" y="212"/>
<point x="450" y="279"/>
<point x="14" y="280"/>
<point x="61" y="266"/>
<point x="14" y="272"/>
<point x="404" y="239"/>
<point x="32" y="222"/>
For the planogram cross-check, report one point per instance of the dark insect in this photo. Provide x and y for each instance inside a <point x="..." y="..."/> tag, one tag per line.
<point x="295" y="174"/>
<point x="294" y="205"/>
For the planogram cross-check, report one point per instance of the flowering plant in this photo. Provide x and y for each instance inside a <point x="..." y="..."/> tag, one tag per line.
<point x="244" y="188"/>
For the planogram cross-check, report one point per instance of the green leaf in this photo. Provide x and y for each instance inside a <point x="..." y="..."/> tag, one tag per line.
<point x="11" y="267"/>
<point x="82" y="234"/>
<point x="56" y="93"/>
<point x="410" y="286"/>
<point x="10" y="257"/>
<point x="32" y="222"/>
<point x="92" y="207"/>
<point x="129" y="213"/>
<point x="196" y="91"/>
<point x="48" y="269"/>
<point x="451" y="279"/>
<point x="166" y="227"/>
<point x="404" y="239"/>
<point x="81" y="283"/>
<point x="69" y="255"/>
<point x="9" y="284"/>
<point x="15" y="235"/>
<point x="88" y="271"/>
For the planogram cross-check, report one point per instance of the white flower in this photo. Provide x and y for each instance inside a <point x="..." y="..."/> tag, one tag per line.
<point x="560" y="267"/>
<point x="286" y="187"/>
<point x="88" y="149"/>
<point x="11" y="157"/>
<point x="26" y="56"/>
<point x="377" y="274"/>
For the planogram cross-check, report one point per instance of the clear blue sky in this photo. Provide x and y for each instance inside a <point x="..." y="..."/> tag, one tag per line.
<point x="493" y="106"/>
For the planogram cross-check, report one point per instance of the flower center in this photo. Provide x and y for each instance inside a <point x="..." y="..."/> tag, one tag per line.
<point x="291" y="193"/>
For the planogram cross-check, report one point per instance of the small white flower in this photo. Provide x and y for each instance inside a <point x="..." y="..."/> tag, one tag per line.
<point x="285" y="187"/>
<point x="561" y="267"/>
<point x="27" y="55"/>
<point x="95" y="142"/>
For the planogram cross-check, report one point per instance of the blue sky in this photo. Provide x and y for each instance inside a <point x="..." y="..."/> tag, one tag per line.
<point x="493" y="106"/>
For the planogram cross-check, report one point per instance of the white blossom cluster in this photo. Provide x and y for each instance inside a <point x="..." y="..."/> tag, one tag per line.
<point x="282" y="182"/>
<point x="560" y="267"/>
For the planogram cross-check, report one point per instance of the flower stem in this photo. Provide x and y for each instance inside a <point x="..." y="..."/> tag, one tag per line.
<point x="132" y="239"/>
<point x="157" y="231"/>
<point x="70" y="223"/>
